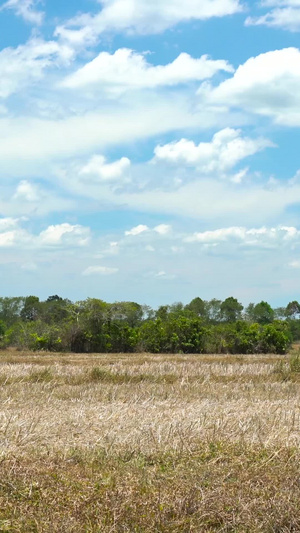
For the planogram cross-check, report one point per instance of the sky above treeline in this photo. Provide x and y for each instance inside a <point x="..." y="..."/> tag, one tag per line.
<point x="150" y="149"/>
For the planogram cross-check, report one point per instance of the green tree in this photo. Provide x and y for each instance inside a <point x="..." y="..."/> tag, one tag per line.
<point x="31" y="308"/>
<point x="162" y="312"/>
<point x="55" y="309"/>
<point x="280" y="313"/>
<point x="129" y="312"/>
<point x="293" y="309"/>
<point x="176" y="308"/>
<point x="262" y="313"/>
<point x="10" y="309"/>
<point x="54" y="298"/>
<point x="152" y="336"/>
<point x="198" y="307"/>
<point x="214" y="310"/>
<point x="93" y="314"/>
<point x="231" y="310"/>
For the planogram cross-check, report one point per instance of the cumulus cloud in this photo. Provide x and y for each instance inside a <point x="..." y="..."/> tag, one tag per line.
<point x="26" y="191"/>
<point x="26" y="64"/>
<point x="285" y="14"/>
<point x="266" y="84"/>
<point x="12" y="234"/>
<point x="164" y="275"/>
<point x="126" y="69"/>
<point x="15" y="237"/>
<point x="27" y="198"/>
<point x="142" y="17"/>
<point x="65" y="234"/>
<point x="163" y="229"/>
<point x="8" y="223"/>
<point x="226" y="149"/>
<point x="265" y="237"/>
<point x="25" y="9"/>
<point x="100" y="270"/>
<point x="137" y="230"/>
<point x="99" y="169"/>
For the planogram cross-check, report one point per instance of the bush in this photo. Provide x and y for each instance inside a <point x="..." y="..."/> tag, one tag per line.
<point x="275" y="338"/>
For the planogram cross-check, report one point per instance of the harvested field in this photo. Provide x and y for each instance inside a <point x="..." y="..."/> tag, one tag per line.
<point x="125" y="443"/>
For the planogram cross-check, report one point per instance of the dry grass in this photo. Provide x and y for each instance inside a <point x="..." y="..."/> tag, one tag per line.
<point x="125" y="443"/>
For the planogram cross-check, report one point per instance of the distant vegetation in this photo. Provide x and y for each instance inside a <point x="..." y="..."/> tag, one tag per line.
<point x="93" y="325"/>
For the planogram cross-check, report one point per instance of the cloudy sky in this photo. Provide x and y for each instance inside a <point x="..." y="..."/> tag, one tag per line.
<point x="150" y="149"/>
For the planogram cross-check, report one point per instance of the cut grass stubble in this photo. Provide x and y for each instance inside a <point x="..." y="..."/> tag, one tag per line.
<point x="149" y="443"/>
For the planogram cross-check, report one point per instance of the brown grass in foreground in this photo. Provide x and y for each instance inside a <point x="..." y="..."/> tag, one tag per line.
<point x="141" y="443"/>
<point x="215" y="487"/>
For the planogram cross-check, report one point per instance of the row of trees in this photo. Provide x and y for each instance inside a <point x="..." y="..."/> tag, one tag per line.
<point x="93" y="325"/>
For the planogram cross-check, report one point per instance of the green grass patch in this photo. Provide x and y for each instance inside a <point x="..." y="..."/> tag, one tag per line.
<point x="41" y="376"/>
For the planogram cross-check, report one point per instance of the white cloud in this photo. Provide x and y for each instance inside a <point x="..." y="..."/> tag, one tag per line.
<point x="142" y="17"/>
<point x="34" y="139"/>
<point x="137" y="230"/>
<point x="62" y="236"/>
<point x="8" y="223"/>
<point x="101" y="270"/>
<point x="266" y="84"/>
<point x="217" y="235"/>
<point x="218" y="200"/>
<point x="226" y="149"/>
<point x="12" y="234"/>
<point x="126" y="69"/>
<point x="265" y="237"/>
<point x="32" y="199"/>
<point x="17" y="237"/>
<point x="65" y="235"/>
<point x="102" y="171"/>
<point x="26" y="10"/>
<point x="285" y="14"/>
<point x="163" y="229"/>
<point x="26" y="64"/>
<point x="231" y="201"/>
<point x="164" y="275"/>
<point x="26" y="191"/>
<point x="239" y="176"/>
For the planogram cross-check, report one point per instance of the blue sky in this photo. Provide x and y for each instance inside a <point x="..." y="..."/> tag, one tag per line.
<point x="150" y="150"/>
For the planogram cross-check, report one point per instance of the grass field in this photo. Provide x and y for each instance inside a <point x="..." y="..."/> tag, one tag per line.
<point x="144" y="443"/>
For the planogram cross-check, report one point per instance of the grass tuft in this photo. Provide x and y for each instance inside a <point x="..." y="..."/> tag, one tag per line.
<point x="41" y="376"/>
<point x="295" y="362"/>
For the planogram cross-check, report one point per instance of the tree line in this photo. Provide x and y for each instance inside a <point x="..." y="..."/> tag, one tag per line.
<point x="92" y="325"/>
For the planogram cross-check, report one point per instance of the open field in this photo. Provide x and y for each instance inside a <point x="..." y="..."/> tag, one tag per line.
<point x="140" y="443"/>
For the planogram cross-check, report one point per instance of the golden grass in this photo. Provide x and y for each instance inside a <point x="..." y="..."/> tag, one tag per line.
<point x="146" y="443"/>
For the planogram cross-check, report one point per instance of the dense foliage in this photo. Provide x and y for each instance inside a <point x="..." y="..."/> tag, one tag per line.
<point x="93" y="325"/>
